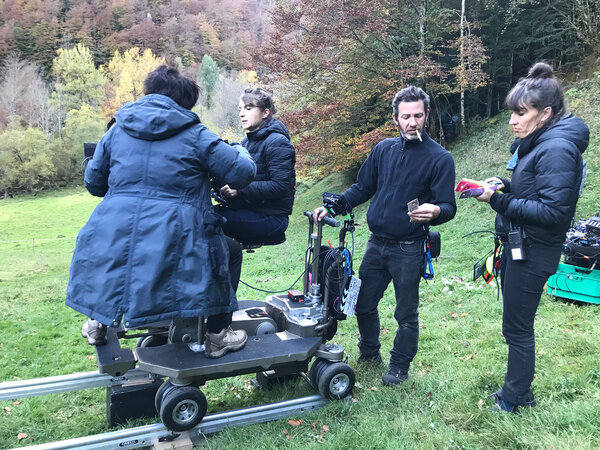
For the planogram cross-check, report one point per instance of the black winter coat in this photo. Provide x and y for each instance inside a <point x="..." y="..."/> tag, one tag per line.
<point x="272" y="191"/>
<point x="542" y="195"/>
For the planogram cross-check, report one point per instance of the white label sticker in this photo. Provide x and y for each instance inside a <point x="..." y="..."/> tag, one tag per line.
<point x="350" y="296"/>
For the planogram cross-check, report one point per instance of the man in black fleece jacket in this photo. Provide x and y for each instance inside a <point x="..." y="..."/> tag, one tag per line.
<point x="411" y="166"/>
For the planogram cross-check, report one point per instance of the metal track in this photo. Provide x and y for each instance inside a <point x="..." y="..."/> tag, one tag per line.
<point x="148" y="435"/>
<point x="64" y="383"/>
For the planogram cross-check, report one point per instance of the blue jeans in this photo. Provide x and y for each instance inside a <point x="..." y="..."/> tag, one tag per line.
<point x="245" y="225"/>
<point x="522" y="285"/>
<point x="402" y="263"/>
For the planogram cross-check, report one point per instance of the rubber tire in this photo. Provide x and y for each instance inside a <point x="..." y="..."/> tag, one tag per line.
<point x="153" y="340"/>
<point x="336" y="381"/>
<point x="317" y="368"/>
<point x="183" y="408"/>
<point x="160" y="394"/>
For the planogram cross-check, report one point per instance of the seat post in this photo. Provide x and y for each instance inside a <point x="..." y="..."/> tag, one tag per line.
<point x="198" y="346"/>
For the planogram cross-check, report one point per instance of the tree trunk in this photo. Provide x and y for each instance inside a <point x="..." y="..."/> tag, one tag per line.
<point x="462" y="66"/>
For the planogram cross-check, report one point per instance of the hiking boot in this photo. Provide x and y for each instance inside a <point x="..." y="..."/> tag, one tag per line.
<point x="502" y="405"/>
<point x="94" y="332"/>
<point x="371" y="360"/>
<point x="394" y="377"/>
<point x="217" y="344"/>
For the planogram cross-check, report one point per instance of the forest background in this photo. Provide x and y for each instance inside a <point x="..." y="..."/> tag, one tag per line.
<point x="66" y="66"/>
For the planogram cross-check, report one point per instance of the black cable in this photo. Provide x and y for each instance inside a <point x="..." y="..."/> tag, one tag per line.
<point x="283" y="290"/>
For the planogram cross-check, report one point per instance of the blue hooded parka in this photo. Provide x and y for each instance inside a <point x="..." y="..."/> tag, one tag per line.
<point x="153" y="248"/>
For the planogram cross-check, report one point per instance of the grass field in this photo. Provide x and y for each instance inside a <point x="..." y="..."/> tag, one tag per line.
<point x="461" y="359"/>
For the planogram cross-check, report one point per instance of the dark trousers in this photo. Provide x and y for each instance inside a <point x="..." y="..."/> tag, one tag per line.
<point x="402" y="263"/>
<point x="522" y="285"/>
<point x="245" y="225"/>
<point x="214" y="324"/>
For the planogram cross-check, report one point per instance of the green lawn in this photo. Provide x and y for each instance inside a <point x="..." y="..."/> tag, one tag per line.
<point x="461" y="359"/>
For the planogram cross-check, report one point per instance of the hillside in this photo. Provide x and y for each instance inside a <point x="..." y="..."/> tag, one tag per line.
<point x="461" y="356"/>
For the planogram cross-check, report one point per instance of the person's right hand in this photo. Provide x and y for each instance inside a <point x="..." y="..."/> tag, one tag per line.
<point x="319" y="213"/>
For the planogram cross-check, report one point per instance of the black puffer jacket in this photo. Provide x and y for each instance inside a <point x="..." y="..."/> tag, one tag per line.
<point x="543" y="192"/>
<point x="272" y="191"/>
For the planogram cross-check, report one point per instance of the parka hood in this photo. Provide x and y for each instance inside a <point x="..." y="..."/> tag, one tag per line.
<point x="571" y="128"/>
<point x="154" y="117"/>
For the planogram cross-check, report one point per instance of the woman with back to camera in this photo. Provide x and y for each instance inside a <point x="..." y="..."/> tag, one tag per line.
<point x="153" y="248"/>
<point x="534" y="213"/>
<point x="261" y="210"/>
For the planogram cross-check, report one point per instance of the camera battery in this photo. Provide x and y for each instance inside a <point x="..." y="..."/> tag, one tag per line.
<point x="296" y="295"/>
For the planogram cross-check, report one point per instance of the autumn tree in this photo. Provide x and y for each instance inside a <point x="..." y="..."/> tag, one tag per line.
<point x="23" y="93"/>
<point x="126" y="74"/>
<point x="343" y="62"/>
<point x="77" y="81"/>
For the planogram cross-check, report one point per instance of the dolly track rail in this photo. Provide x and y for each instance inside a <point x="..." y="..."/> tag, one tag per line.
<point x="64" y="383"/>
<point x="147" y="436"/>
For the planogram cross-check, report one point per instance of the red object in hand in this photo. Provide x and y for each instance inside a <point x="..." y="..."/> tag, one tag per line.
<point x="471" y="188"/>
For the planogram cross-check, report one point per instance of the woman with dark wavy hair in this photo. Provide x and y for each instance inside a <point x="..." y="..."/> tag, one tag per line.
<point x="535" y="210"/>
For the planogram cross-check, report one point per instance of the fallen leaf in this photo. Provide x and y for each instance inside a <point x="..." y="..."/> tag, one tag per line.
<point x="444" y="319"/>
<point x="16" y="402"/>
<point x="374" y="388"/>
<point x="428" y="396"/>
<point x="567" y="330"/>
<point x="463" y="315"/>
<point x="470" y="357"/>
<point x="89" y="357"/>
<point x="325" y="428"/>
<point x="314" y="424"/>
<point x="480" y="404"/>
<point x="541" y="352"/>
<point x="285" y="431"/>
<point x="21" y="436"/>
<point x="454" y="315"/>
<point x="295" y="422"/>
<point x="420" y="364"/>
<point x="500" y="333"/>
<point x="7" y="409"/>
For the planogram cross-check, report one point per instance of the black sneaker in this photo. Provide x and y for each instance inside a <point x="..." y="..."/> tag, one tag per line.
<point x="372" y="360"/>
<point x="394" y="377"/>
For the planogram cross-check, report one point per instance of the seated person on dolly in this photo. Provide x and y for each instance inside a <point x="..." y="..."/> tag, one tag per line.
<point x="259" y="212"/>
<point x="153" y="249"/>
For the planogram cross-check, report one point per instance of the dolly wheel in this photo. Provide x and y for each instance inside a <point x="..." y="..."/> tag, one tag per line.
<point x="336" y="381"/>
<point x="160" y="394"/>
<point x="183" y="408"/>
<point x="316" y="370"/>
<point x="153" y="340"/>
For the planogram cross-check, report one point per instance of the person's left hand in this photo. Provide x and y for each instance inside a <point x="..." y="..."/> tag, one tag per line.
<point x="228" y="192"/>
<point x="425" y="213"/>
<point x="487" y="192"/>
